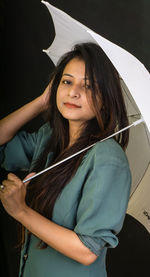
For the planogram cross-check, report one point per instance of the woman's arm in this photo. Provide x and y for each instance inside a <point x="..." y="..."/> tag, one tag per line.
<point x="14" y="121"/>
<point x="62" y="239"/>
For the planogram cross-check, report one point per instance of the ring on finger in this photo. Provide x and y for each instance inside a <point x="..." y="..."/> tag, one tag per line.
<point x="2" y="187"/>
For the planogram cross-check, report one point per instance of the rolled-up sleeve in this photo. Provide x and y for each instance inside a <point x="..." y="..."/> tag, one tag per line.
<point x="18" y="153"/>
<point x="103" y="204"/>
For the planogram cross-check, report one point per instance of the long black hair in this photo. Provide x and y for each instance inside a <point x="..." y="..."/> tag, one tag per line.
<point x="111" y="116"/>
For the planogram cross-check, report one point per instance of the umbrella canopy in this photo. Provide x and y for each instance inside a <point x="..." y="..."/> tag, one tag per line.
<point x="135" y="82"/>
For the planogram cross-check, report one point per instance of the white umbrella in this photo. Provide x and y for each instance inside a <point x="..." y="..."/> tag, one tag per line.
<point x="135" y="81"/>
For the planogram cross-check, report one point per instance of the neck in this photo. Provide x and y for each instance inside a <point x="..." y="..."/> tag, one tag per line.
<point x="74" y="132"/>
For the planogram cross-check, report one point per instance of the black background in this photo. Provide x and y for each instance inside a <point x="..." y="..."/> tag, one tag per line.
<point x="26" y="29"/>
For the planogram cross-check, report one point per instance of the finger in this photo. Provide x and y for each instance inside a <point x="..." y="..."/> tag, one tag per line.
<point x="28" y="176"/>
<point x="13" y="177"/>
<point x="7" y="186"/>
<point x="13" y="180"/>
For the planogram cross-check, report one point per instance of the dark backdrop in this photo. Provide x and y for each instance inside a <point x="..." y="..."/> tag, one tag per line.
<point x="26" y="28"/>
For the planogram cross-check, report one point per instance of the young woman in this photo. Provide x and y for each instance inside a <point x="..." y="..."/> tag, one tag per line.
<point x="72" y="213"/>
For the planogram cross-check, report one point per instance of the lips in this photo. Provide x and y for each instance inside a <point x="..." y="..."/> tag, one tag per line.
<point x="71" y="105"/>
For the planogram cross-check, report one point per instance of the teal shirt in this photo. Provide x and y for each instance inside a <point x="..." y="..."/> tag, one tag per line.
<point x="96" y="214"/>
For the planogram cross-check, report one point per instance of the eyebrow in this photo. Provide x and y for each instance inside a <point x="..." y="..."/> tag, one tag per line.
<point x="67" y="74"/>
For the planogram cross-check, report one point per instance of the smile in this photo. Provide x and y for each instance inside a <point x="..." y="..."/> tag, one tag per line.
<point x="71" y="106"/>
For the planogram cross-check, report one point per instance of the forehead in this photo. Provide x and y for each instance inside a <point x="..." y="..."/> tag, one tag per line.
<point x="75" y="68"/>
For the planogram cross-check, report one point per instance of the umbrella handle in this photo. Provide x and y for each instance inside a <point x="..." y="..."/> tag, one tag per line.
<point x="88" y="147"/>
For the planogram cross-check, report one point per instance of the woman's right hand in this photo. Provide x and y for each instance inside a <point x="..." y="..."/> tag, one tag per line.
<point x="10" y="124"/>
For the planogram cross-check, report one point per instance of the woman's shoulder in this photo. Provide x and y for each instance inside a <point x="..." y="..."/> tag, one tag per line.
<point x="110" y="152"/>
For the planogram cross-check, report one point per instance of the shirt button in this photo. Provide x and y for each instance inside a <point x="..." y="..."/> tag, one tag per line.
<point x="25" y="257"/>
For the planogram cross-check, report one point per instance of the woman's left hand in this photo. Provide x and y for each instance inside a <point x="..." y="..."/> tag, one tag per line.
<point x="12" y="195"/>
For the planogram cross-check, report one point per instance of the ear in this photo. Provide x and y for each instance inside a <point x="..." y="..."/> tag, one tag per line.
<point x="28" y="176"/>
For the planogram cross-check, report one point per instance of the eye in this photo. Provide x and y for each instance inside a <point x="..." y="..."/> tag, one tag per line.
<point x="66" y="82"/>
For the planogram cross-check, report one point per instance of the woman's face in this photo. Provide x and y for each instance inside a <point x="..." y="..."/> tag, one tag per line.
<point x="74" y="95"/>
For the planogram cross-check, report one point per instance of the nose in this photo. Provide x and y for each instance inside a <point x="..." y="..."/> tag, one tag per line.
<point x="74" y="92"/>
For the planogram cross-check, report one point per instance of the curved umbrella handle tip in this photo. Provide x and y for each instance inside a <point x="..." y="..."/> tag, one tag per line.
<point x="44" y="50"/>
